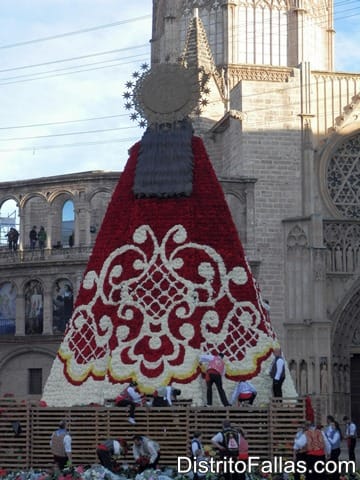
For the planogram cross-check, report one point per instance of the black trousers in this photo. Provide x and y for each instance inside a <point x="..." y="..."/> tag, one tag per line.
<point x="215" y="378"/>
<point x="60" y="461"/>
<point x="277" y="388"/>
<point x="153" y="465"/>
<point x="351" y="448"/>
<point x="300" y="456"/>
<point x="160" y="402"/>
<point x="229" y="475"/>
<point x="334" y="456"/>
<point x="125" y="403"/>
<point x="105" y="458"/>
<point x="311" y="473"/>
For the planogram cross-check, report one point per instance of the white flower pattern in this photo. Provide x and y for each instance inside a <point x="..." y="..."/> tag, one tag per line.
<point x="155" y="297"/>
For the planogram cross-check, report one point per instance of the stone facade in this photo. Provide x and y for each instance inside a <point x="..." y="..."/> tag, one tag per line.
<point x="289" y="134"/>
<point x="34" y="283"/>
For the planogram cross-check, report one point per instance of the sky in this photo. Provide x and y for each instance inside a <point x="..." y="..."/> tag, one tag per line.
<point x="64" y="65"/>
<point x="112" y="37"/>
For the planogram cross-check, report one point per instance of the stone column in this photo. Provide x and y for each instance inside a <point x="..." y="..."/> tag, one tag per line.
<point x="229" y="28"/>
<point x="49" y="226"/>
<point x="296" y="34"/>
<point x="82" y="221"/>
<point x="170" y="50"/>
<point x="308" y="171"/>
<point x="87" y="218"/>
<point x="22" y="241"/>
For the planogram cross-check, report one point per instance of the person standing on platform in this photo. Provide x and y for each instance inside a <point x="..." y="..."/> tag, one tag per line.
<point x="42" y="236"/>
<point x="277" y="373"/>
<point x="214" y="373"/>
<point x="33" y="237"/>
<point x="60" y="445"/>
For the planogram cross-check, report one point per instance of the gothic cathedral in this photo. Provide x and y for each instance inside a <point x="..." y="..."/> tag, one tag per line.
<point x="282" y="130"/>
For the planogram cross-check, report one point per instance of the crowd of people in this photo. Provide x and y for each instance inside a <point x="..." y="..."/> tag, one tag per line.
<point x="314" y="443"/>
<point x="230" y="441"/>
<point x="163" y="396"/>
<point x="37" y="239"/>
<point x="145" y="451"/>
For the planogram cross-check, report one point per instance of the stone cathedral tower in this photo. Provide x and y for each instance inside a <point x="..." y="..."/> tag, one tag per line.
<point x="278" y="33"/>
<point x="283" y="132"/>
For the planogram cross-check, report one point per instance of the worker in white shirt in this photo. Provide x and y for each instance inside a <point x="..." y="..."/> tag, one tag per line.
<point x="243" y="392"/>
<point x="277" y="372"/>
<point x="214" y="374"/>
<point x="130" y="397"/>
<point x="317" y="447"/>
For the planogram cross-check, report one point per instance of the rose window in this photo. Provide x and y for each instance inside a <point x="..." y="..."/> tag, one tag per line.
<point x="343" y="178"/>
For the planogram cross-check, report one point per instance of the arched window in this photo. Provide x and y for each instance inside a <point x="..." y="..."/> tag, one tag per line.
<point x="34" y="307"/>
<point x="67" y="222"/>
<point x="7" y="308"/>
<point x="98" y="205"/>
<point x="63" y="301"/>
<point x="9" y="219"/>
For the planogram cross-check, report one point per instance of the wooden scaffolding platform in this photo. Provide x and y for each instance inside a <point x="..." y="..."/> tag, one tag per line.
<point x="270" y="429"/>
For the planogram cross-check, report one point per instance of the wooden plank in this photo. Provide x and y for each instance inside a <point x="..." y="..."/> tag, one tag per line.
<point x="13" y="449"/>
<point x="270" y="430"/>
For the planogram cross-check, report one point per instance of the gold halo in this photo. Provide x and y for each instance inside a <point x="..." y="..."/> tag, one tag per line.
<point x="167" y="93"/>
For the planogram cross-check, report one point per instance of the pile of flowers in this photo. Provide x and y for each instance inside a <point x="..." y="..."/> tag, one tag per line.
<point x="98" y="472"/>
<point x="93" y="472"/>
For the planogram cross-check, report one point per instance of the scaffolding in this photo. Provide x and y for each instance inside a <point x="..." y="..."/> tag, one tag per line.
<point x="5" y="224"/>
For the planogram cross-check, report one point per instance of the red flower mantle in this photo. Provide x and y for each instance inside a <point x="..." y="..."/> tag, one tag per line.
<point x="167" y="280"/>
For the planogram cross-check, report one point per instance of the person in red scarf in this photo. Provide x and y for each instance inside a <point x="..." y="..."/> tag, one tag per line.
<point x="130" y="397"/>
<point x="214" y="373"/>
<point x="109" y="451"/>
<point x="317" y="447"/>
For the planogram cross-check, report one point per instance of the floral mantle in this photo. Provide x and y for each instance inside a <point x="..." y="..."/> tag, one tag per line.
<point x="167" y="280"/>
